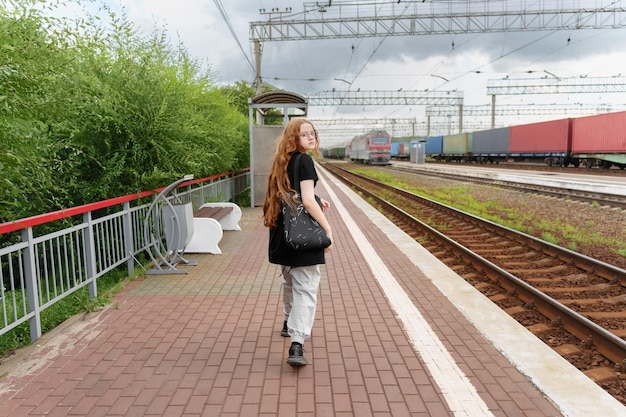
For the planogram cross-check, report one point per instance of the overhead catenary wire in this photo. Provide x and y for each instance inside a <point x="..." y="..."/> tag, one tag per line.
<point x="478" y="59"/>
<point x="222" y="11"/>
<point x="368" y="59"/>
<point x="491" y="61"/>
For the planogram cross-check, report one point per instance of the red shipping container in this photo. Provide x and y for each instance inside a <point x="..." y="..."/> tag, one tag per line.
<point x="603" y="133"/>
<point x="543" y="137"/>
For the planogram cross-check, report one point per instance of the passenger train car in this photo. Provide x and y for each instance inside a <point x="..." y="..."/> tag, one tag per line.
<point x="591" y="141"/>
<point x="371" y="148"/>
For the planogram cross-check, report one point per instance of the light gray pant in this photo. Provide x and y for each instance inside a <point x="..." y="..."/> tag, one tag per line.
<point x="300" y="286"/>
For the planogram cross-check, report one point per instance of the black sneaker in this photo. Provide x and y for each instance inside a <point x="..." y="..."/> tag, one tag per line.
<point x="285" y="331"/>
<point x="296" y="358"/>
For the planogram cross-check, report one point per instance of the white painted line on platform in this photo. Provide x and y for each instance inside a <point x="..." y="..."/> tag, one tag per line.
<point x="460" y="394"/>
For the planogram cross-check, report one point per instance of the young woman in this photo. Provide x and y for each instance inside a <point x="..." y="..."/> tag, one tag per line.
<point x="300" y="269"/>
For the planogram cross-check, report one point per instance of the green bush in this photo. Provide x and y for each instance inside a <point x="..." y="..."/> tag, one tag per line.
<point x="89" y="113"/>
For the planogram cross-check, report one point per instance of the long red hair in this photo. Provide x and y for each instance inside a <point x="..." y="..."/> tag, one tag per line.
<point x="278" y="183"/>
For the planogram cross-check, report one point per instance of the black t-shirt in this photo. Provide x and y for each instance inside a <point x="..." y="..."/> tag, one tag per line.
<point x="278" y="251"/>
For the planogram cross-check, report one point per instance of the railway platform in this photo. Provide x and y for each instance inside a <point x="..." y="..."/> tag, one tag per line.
<point x="580" y="181"/>
<point x="397" y="333"/>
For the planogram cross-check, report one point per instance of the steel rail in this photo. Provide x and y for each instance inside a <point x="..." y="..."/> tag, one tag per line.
<point x="607" y="343"/>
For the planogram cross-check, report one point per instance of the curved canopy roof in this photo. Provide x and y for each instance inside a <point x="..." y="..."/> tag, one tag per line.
<point x="279" y="99"/>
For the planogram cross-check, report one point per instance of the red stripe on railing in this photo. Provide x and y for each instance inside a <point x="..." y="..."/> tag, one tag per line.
<point x="62" y="214"/>
<point x="75" y="211"/>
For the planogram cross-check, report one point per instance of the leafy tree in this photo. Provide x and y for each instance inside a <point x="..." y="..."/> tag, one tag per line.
<point x="238" y="95"/>
<point x="35" y="53"/>
<point x="88" y="114"/>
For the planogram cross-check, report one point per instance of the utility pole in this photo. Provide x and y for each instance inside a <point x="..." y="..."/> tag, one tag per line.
<point x="493" y="111"/>
<point x="258" y="81"/>
<point x="257" y="63"/>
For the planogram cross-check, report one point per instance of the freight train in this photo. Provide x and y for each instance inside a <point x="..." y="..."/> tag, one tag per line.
<point x="334" y="153"/>
<point x="400" y="150"/>
<point x="371" y="148"/>
<point x="591" y="141"/>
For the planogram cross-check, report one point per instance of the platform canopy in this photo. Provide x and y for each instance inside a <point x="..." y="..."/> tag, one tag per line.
<point x="279" y="99"/>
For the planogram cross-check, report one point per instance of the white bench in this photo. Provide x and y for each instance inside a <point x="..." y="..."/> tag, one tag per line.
<point x="228" y="214"/>
<point x="209" y="222"/>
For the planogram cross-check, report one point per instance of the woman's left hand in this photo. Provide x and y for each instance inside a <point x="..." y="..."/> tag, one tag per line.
<point x="325" y="204"/>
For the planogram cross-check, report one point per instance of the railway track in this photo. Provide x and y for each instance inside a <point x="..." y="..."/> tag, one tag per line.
<point x="574" y="303"/>
<point x="608" y="200"/>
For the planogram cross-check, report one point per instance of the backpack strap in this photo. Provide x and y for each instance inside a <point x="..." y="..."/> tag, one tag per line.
<point x="296" y="176"/>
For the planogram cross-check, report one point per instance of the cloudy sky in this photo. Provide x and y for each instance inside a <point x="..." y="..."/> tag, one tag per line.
<point x="435" y="62"/>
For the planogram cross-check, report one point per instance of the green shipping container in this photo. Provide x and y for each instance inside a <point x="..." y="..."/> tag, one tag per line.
<point x="457" y="144"/>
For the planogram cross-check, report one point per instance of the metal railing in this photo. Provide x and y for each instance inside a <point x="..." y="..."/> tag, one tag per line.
<point x="38" y="271"/>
